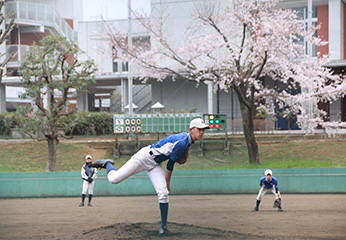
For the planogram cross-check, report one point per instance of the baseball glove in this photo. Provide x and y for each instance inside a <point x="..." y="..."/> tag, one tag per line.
<point x="276" y="203"/>
<point x="184" y="156"/>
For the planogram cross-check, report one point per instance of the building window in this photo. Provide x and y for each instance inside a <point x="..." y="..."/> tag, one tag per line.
<point x="114" y="52"/>
<point x="115" y="66"/>
<point x="119" y="66"/>
<point x="142" y="42"/>
<point x="303" y="15"/>
<point x="125" y="66"/>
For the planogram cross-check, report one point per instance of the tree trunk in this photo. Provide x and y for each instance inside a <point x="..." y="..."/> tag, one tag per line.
<point x="249" y="134"/>
<point x="52" y="146"/>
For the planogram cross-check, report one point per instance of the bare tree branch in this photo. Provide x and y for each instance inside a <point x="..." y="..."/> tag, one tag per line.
<point x="3" y="37"/>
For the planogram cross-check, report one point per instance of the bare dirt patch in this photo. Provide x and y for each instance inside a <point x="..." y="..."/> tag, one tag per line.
<point x="149" y="231"/>
<point x="310" y="216"/>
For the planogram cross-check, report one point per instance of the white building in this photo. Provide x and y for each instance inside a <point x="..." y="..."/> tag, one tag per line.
<point x="177" y="95"/>
<point x="33" y="21"/>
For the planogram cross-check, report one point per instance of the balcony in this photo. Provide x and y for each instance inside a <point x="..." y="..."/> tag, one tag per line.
<point x="38" y="14"/>
<point x="17" y="51"/>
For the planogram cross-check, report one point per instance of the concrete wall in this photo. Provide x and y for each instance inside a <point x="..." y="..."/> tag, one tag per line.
<point x="180" y="94"/>
<point x="336" y="29"/>
<point x="177" y="14"/>
<point x="93" y="39"/>
<point x="69" y="184"/>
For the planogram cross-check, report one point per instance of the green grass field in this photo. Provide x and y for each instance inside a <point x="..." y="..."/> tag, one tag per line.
<point x="31" y="156"/>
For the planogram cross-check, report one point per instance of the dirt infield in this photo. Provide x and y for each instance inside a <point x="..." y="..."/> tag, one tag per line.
<point x="190" y="217"/>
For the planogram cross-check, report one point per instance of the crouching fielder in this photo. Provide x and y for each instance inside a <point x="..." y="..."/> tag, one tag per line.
<point x="268" y="183"/>
<point x="174" y="148"/>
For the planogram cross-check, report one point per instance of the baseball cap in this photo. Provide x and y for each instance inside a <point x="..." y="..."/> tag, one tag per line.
<point x="198" y="123"/>
<point x="268" y="171"/>
<point x="88" y="156"/>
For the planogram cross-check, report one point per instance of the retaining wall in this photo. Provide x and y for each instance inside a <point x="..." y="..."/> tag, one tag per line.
<point x="69" y="184"/>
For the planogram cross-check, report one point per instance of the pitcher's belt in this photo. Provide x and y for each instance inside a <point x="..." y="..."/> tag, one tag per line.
<point x="155" y="158"/>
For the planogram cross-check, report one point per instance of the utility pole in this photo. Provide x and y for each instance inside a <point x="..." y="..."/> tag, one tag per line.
<point x="310" y="46"/>
<point x="129" y="41"/>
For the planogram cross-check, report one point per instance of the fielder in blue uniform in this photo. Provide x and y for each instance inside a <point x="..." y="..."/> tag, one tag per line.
<point x="173" y="149"/>
<point x="268" y="183"/>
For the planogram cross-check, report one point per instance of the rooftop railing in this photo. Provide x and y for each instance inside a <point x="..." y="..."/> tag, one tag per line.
<point x="39" y="14"/>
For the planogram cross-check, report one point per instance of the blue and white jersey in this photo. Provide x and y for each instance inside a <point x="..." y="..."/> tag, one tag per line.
<point x="88" y="171"/>
<point x="270" y="184"/>
<point x="172" y="147"/>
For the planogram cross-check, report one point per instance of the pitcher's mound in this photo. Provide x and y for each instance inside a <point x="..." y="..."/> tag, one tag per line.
<point x="150" y="231"/>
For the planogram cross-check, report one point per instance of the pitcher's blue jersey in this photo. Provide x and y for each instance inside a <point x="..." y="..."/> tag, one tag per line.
<point x="172" y="147"/>
<point x="270" y="184"/>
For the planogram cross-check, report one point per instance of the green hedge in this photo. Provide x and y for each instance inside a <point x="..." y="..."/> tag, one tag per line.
<point x="7" y="121"/>
<point x="80" y="123"/>
<point x="84" y="123"/>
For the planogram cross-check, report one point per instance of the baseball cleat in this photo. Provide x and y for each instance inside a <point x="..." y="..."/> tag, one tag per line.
<point x="89" y="205"/>
<point x="255" y="209"/>
<point x="280" y="209"/>
<point x="163" y="231"/>
<point x="102" y="163"/>
<point x="81" y="204"/>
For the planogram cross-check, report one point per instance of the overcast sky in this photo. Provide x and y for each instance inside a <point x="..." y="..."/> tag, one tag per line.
<point x="112" y="9"/>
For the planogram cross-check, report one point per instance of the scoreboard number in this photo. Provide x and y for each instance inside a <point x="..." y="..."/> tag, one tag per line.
<point x="119" y="121"/>
<point x="119" y="129"/>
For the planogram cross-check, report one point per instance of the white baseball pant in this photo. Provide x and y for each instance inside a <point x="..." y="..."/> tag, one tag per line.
<point x="86" y="184"/>
<point x="263" y="191"/>
<point x="139" y="162"/>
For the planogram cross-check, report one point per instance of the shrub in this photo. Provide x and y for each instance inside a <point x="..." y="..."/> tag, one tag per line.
<point x="79" y="123"/>
<point x="102" y="122"/>
<point x="3" y="126"/>
<point x="84" y="123"/>
<point x="8" y="120"/>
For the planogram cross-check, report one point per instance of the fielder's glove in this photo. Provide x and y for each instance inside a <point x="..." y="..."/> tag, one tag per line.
<point x="184" y="156"/>
<point x="276" y="203"/>
<point x="90" y="180"/>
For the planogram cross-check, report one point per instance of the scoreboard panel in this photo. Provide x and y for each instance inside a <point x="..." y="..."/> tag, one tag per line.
<point x="216" y="121"/>
<point x="148" y="123"/>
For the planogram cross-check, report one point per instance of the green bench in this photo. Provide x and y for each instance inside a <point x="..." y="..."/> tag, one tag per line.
<point x="219" y="138"/>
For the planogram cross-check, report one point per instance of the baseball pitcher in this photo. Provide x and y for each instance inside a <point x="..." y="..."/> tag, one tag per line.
<point x="174" y="149"/>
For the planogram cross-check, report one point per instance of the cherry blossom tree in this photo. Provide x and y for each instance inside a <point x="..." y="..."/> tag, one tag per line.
<point x="235" y="45"/>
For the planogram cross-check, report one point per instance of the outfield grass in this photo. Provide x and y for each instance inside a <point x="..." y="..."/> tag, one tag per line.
<point x="283" y="155"/>
<point x="32" y="156"/>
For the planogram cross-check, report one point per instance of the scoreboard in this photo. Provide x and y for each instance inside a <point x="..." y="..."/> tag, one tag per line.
<point x="216" y="121"/>
<point x="148" y="123"/>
